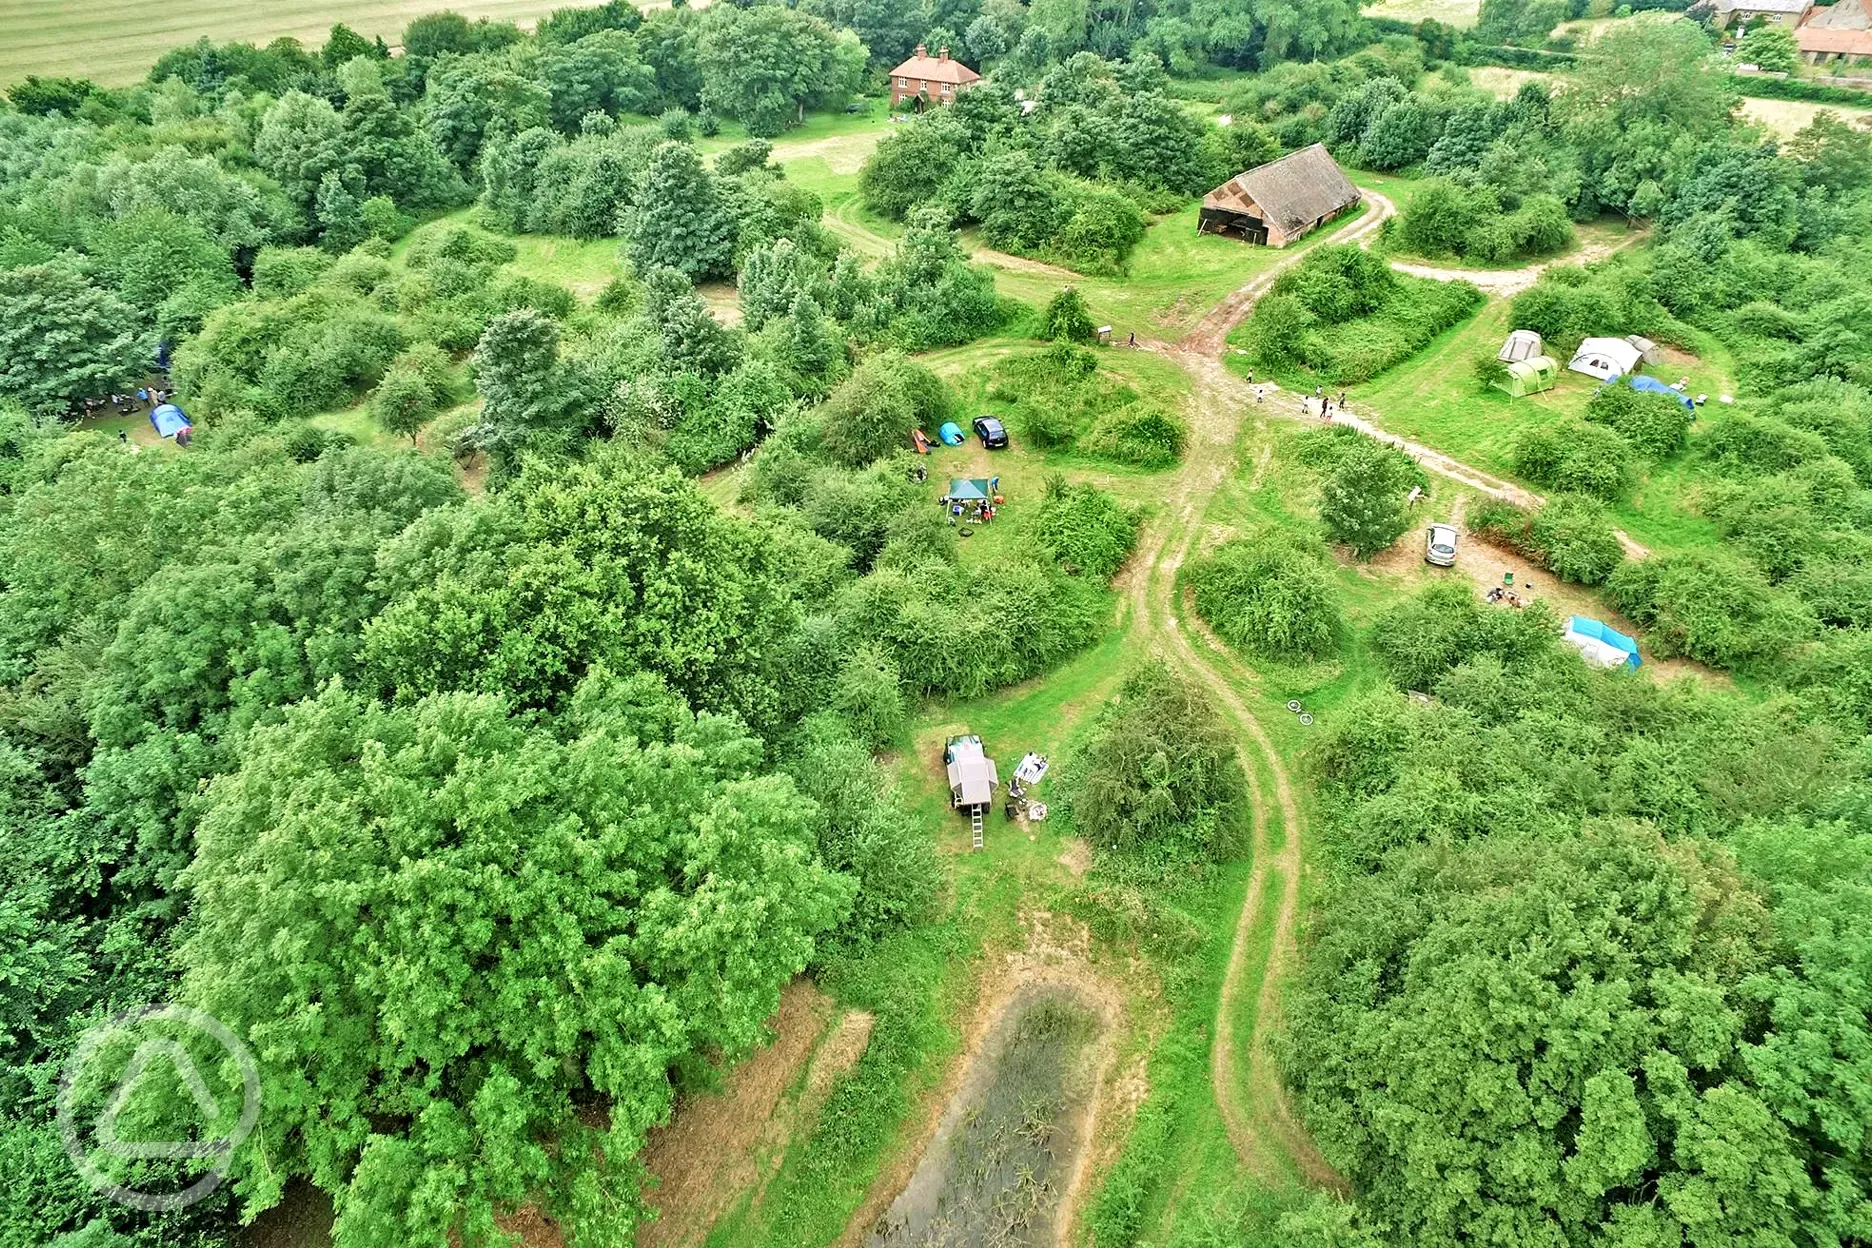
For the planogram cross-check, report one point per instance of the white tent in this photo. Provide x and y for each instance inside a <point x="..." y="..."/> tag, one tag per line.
<point x="1601" y="645"/>
<point x="1605" y="358"/>
<point x="1522" y="344"/>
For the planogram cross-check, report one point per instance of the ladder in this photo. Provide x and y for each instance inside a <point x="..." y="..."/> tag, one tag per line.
<point x="975" y="824"/>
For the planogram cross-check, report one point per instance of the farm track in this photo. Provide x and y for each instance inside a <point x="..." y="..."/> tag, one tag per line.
<point x="1261" y="1125"/>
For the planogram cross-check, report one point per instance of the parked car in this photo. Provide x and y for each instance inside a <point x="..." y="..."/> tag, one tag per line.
<point x="993" y="433"/>
<point x="1440" y="545"/>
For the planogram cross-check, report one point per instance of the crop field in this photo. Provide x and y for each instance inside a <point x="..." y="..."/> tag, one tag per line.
<point x="114" y="42"/>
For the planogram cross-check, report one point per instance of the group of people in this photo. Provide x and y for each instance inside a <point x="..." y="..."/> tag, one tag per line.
<point x="125" y="404"/>
<point x="1505" y="592"/>
<point x="1325" y="401"/>
<point x="975" y="512"/>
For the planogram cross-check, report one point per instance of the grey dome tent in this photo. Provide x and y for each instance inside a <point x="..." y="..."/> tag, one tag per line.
<point x="1522" y="344"/>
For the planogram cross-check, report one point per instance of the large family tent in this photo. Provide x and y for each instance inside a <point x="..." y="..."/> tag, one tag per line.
<point x="969" y="490"/>
<point x="170" y="421"/>
<point x="1605" y="358"/>
<point x="1651" y="385"/>
<point x="1602" y="645"/>
<point x="1531" y="376"/>
<point x="1522" y="344"/>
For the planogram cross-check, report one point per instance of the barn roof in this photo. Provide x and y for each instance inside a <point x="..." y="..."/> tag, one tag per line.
<point x="1845" y="15"/>
<point x="1845" y="42"/>
<point x="939" y="68"/>
<point x="1292" y="192"/>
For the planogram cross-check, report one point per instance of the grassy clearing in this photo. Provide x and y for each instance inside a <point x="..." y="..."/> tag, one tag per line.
<point x="1786" y="117"/>
<point x="1176" y="276"/>
<point x="1450" y="12"/>
<point x="114" y="42"/>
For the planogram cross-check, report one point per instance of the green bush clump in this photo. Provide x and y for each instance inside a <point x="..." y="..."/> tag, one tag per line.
<point x="1269" y="595"/>
<point x="1142" y="434"/>
<point x="1062" y="402"/>
<point x="1710" y="607"/>
<point x="872" y="412"/>
<point x="1573" y="536"/>
<point x="1577" y="457"/>
<point x="1362" y="500"/>
<point x="1159" y="780"/>
<point x="1084" y="528"/>
<point x="964" y="631"/>
<point x="1424" y="637"/>
<point x="1345" y="316"/>
<point x="1656" y="424"/>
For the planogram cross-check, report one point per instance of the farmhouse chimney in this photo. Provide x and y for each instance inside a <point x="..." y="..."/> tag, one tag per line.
<point x="921" y="50"/>
<point x="943" y="55"/>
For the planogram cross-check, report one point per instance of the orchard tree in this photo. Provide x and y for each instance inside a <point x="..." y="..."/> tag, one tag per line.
<point x="1770" y="47"/>
<point x="772" y="278"/>
<point x="679" y="219"/>
<point x="63" y="339"/>
<point x="1362" y="499"/>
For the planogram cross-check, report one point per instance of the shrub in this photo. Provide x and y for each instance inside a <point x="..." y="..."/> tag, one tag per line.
<point x="1573" y="536"/>
<point x="1577" y="457"/>
<point x="1142" y="434"/>
<point x="1656" y="424"/>
<point x="1270" y="596"/>
<point x="1709" y="607"/>
<point x="1362" y="499"/>
<point x="1066" y="318"/>
<point x="1447" y="625"/>
<point x="282" y="272"/>
<point x="1084" y="528"/>
<point x="1159" y="779"/>
<point x="872" y="412"/>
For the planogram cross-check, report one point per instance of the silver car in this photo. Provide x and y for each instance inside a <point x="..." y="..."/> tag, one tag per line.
<point x="1440" y="545"/>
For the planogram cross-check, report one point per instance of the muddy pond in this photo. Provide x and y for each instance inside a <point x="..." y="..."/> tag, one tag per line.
<point x="1004" y="1153"/>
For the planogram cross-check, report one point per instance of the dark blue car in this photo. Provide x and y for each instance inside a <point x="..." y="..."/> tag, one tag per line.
<point x="992" y="433"/>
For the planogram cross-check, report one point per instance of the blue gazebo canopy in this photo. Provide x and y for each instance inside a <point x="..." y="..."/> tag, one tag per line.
<point x="1651" y="385"/>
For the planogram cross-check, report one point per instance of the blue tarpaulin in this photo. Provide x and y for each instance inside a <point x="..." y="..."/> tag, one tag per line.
<point x="168" y="420"/>
<point x="1601" y="643"/>
<point x="1651" y="385"/>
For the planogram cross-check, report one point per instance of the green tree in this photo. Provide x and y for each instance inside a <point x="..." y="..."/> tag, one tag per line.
<point x="628" y="866"/>
<point x="765" y="65"/>
<point x="1770" y="47"/>
<point x="531" y="399"/>
<point x="1066" y="317"/>
<point x="63" y="340"/>
<point x="339" y="213"/>
<point x="1159" y="779"/>
<point x="772" y="278"/>
<point x="1362" y="499"/>
<point x="872" y="412"/>
<point x="679" y="220"/>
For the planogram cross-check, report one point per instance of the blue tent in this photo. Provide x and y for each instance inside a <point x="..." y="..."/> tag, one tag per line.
<point x="1601" y="644"/>
<point x="1651" y="385"/>
<point x="169" y="421"/>
<point x="951" y="433"/>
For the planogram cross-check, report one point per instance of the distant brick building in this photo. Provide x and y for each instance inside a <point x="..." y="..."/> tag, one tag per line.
<point x="927" y="79"/>
<point x="1785" y="13"/>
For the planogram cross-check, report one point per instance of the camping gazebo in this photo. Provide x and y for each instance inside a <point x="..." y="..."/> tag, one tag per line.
<point x="970" y="490"/>
<point x="1531" y="376"/>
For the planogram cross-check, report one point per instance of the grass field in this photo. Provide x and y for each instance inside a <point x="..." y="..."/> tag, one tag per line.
<point x="114" y="42"/>
<point x="1449" y="12"/>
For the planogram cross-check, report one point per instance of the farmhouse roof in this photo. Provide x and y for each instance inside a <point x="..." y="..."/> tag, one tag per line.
<point x="938" y="68"/>
<point x="1845" y="15"/>
<point x="1763" y="6"/>
<point x="1292" y="192"/>
<point x="1845" y="42"/>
